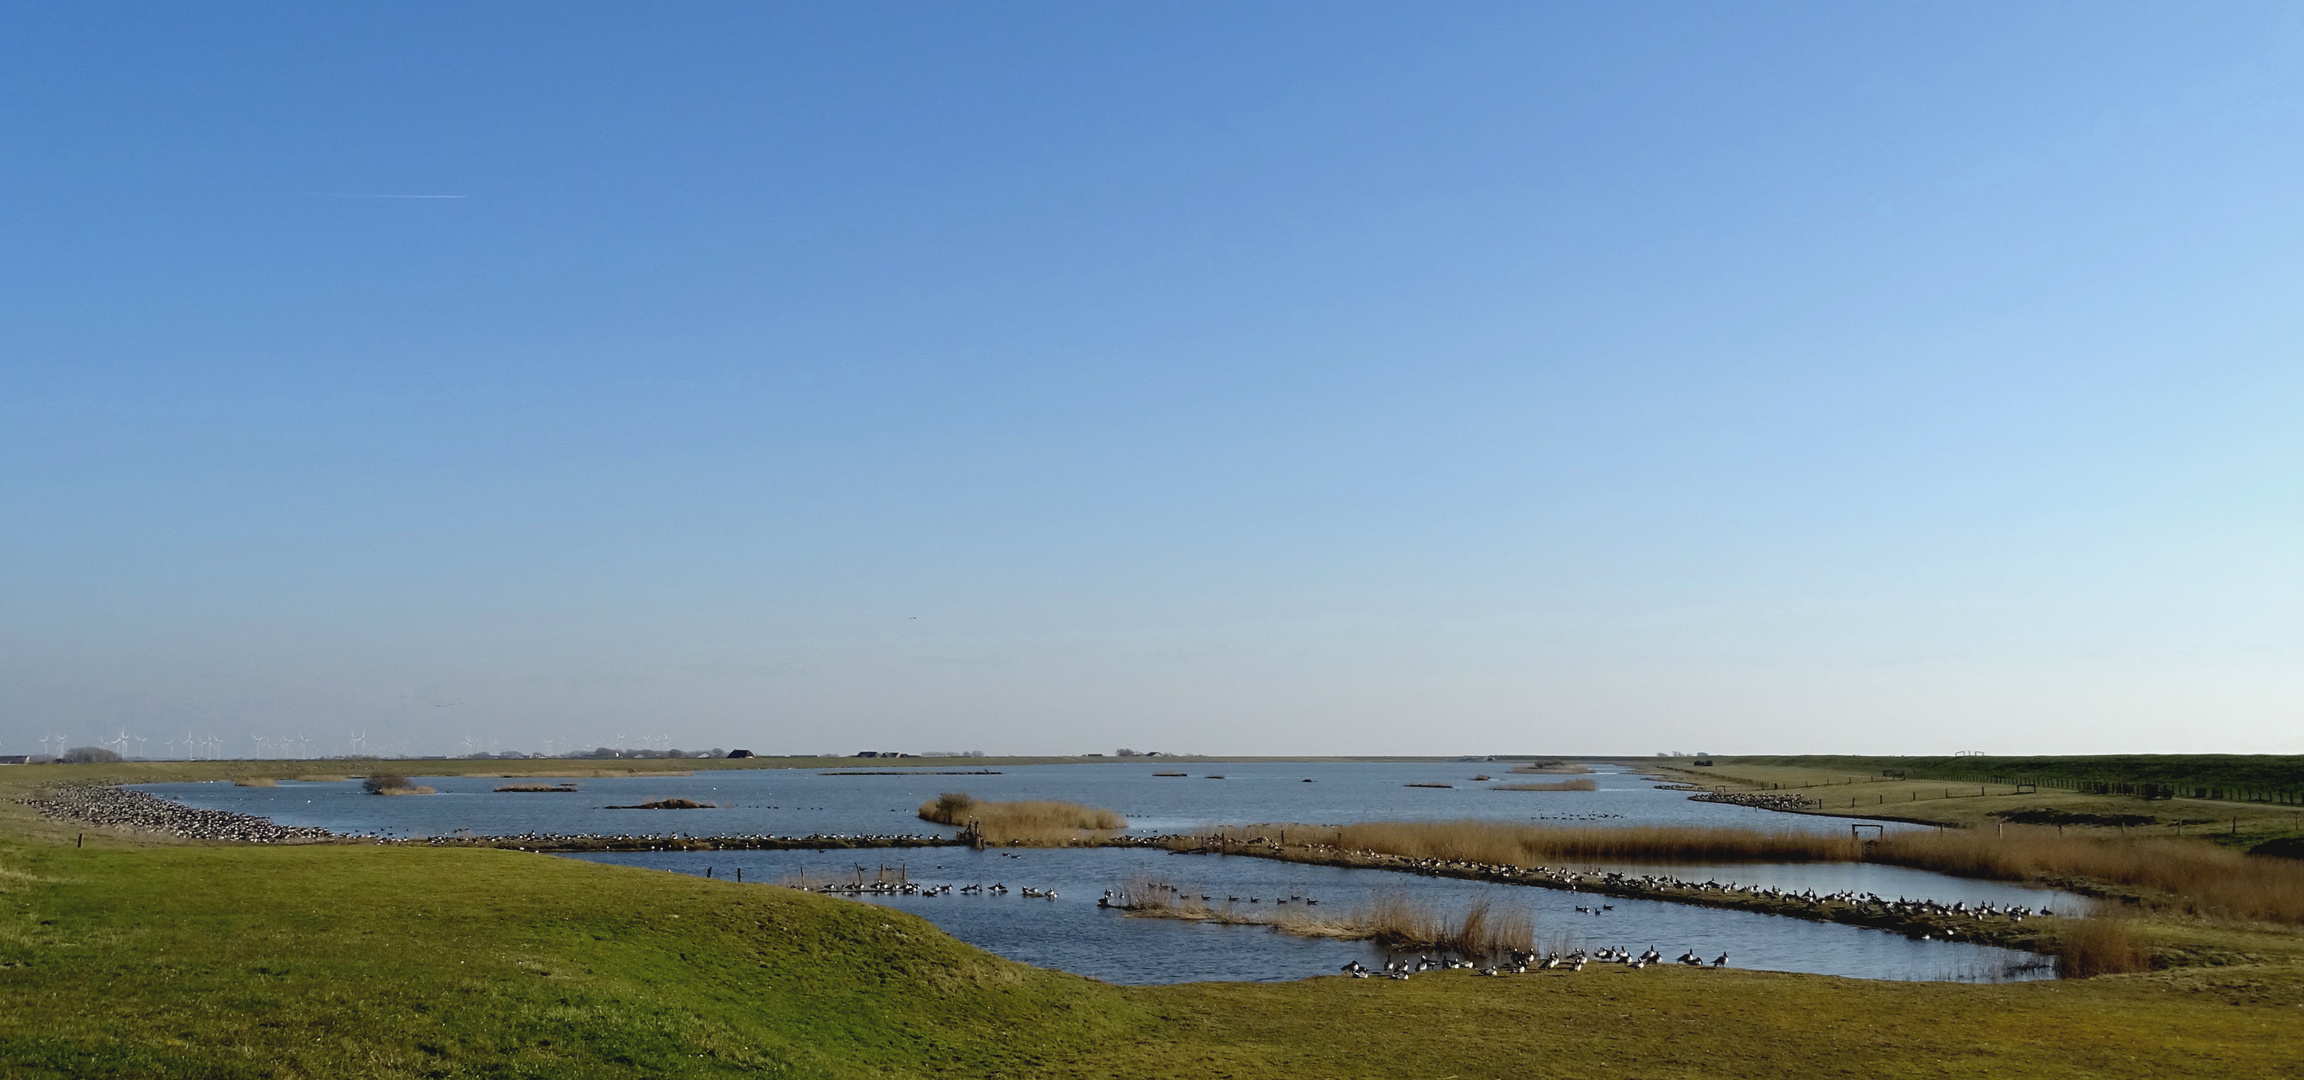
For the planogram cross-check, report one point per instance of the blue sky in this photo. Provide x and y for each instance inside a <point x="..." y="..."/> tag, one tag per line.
<point x="1227" y="378"/>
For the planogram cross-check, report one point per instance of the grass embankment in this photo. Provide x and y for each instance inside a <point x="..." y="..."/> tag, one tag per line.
<point x="2274" y="778"/>
<point x="143" y="957"/>
<point x="363" y="961"/>
<point x="1937" y="790"/>
<point x="1028" y="821"/>
<point x="1391" y="918"/>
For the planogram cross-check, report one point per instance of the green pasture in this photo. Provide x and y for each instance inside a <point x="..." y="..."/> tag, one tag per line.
<point x="1857" y="786"/>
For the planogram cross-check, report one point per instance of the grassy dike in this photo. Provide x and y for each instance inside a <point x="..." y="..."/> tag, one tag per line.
<point x="1854" y="787"/>
<point x="131" y="957"/>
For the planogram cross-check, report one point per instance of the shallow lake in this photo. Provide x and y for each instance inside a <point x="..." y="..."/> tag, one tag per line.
<point x="856" y="800"/>
<point x="1073" y="934"/>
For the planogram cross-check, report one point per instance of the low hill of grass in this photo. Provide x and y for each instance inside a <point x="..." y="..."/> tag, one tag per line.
<point x="342" y="960"/>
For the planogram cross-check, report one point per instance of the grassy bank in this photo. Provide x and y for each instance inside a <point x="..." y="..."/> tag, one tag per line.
<point x="2271" y="778"/>
<point x="1909" y="795"/>
<point x="339" y="960"/>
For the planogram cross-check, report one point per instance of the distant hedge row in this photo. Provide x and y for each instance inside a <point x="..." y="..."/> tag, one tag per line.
<point x="2265" y="778"/>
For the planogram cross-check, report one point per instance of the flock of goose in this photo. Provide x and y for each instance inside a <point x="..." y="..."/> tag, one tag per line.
<point x="1114" y="898"/>
<point x="1868" y="903"/>
<point x="908" y="888"/>
<point x="1759" y="800"/>
<point x="1520" y="963"/>
<point x="117" y="807"/>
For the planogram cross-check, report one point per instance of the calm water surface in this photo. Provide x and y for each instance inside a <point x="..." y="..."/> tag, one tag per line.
<point x="802" y="802"/>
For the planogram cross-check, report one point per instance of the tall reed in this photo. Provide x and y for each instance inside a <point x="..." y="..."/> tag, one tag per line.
<point x="2106" y="943"/>
<point x="2202" y="878"/>
<point x="1029" y="821"/>
<point x="1534" y="845"/>
<point x="1391" y="917"/>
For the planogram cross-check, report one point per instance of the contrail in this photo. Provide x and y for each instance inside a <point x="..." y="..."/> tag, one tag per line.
<point x="359" y="195"/>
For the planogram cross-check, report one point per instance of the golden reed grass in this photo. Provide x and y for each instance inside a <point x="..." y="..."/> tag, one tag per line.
<point x="1564" y="785"/>
<point x="2208" y="880"/>
<point x="1530" y="845"/>
<point x="1390" y="917"/>
<point x="1028" y="821"/>
<point x="2103" y="944"/>
<point x="2200" y="877"/>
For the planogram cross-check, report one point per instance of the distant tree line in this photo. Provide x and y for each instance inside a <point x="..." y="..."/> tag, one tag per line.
<point x="2265" y="778"/>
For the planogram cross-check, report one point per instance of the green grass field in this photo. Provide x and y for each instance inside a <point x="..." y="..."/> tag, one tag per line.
<point x="1855" y="786"/>
<point x="2236" y="777"/>
<point x="135" y="958"/>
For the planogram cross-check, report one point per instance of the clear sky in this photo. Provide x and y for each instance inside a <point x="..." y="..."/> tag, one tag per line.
<point x="1255" y="378"/>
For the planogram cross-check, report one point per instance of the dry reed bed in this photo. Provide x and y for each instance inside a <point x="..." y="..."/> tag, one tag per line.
<point x="2206" y="879"/>
<point x="2104" y="945"/>
<point x="1563" y="785"/>
<point x="2202" y="878"/>
<point x="1390" y="917"/>
<point x="1027" y="821"/>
